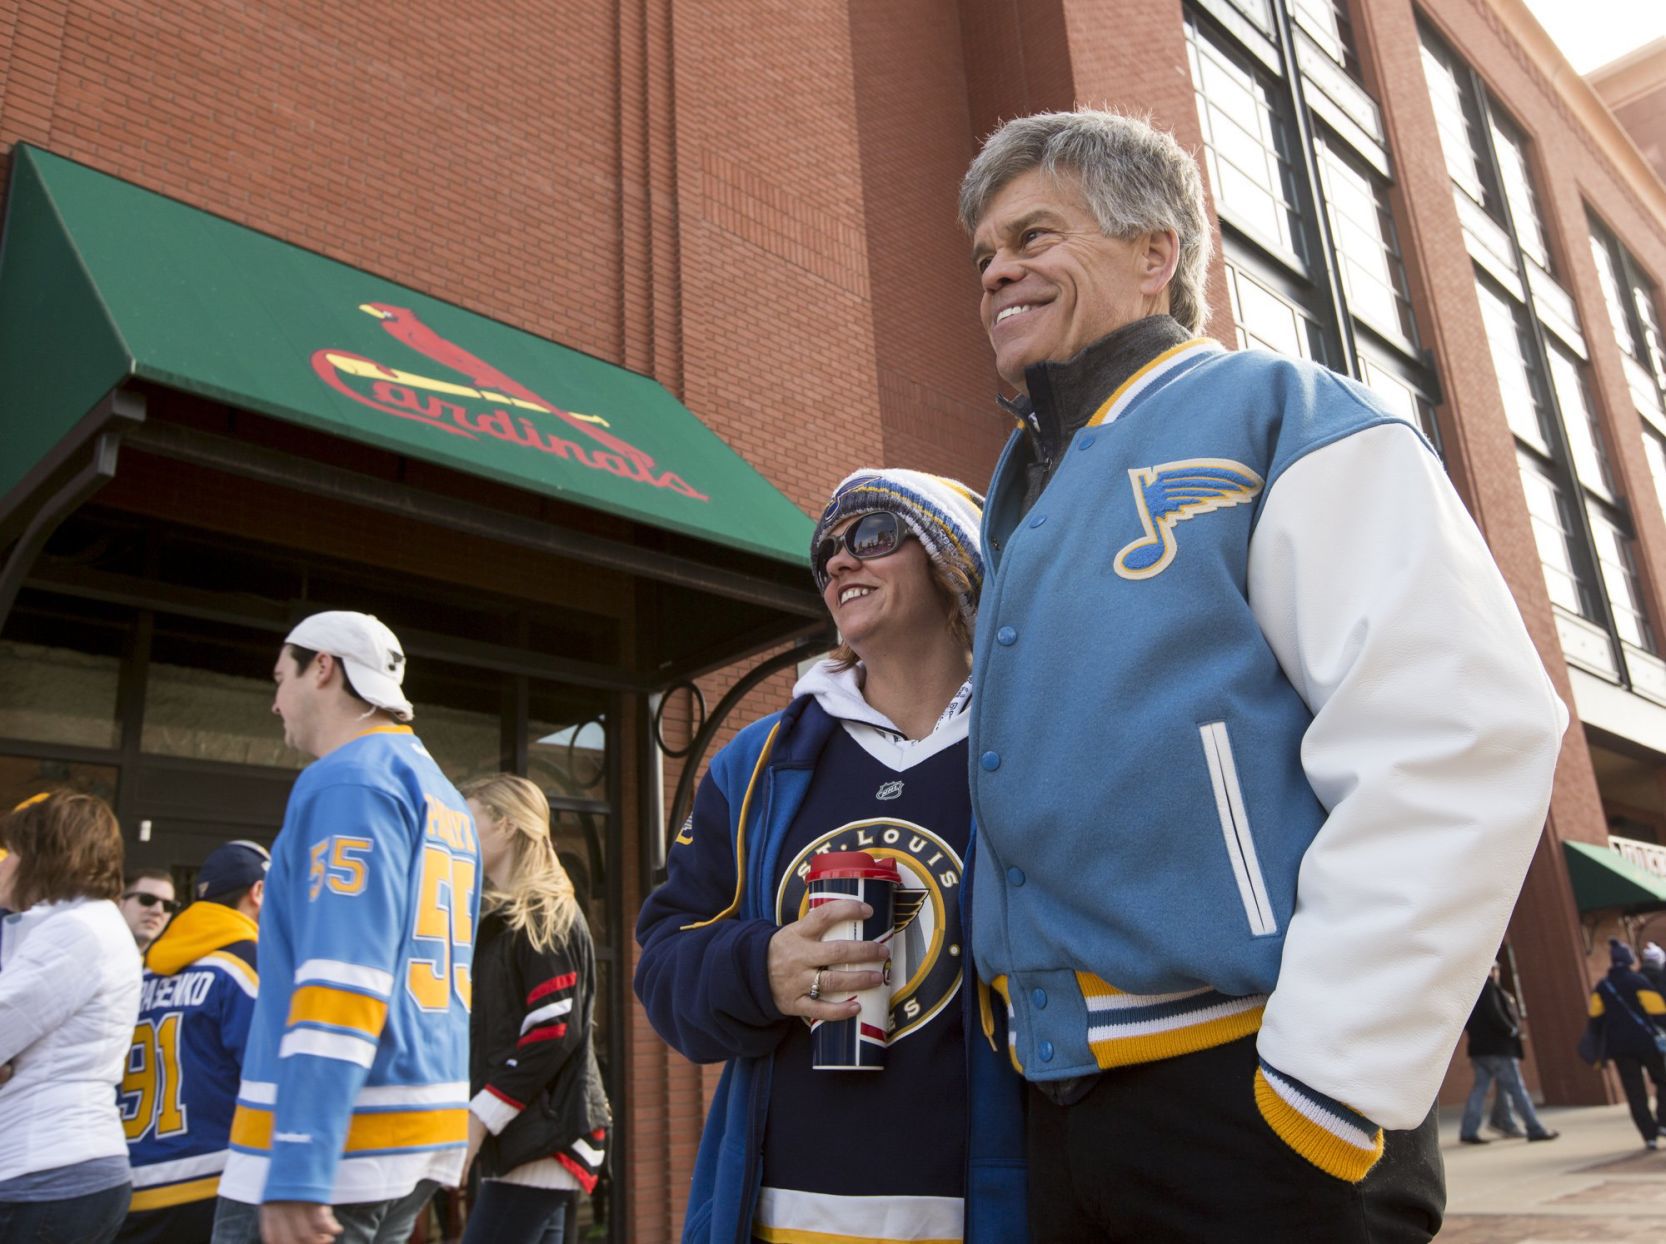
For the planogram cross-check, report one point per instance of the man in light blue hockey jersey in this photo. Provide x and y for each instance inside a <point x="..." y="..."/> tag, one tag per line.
<point x="1237" y="632"/>
<point x="354" y="1101"/>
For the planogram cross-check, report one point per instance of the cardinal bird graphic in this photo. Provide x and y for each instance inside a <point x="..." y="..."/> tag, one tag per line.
<point x="1172" y="493"/>
<point x="402" y="325"/>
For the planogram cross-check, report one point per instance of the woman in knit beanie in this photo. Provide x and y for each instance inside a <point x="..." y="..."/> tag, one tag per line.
<point x="871" y="756"/>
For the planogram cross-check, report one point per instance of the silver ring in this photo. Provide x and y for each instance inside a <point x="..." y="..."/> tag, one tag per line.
<point x="815" y="984"/>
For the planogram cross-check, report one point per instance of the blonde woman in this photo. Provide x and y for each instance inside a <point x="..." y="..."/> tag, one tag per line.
<point x="539" y="1117"/>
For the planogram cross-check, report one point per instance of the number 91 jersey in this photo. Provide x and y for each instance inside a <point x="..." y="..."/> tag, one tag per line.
<point x="355" y="1085"/>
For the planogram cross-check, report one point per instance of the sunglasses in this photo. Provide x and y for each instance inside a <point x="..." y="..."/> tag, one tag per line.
<point x="873" y="535"/>
<point x="153" y="900"/>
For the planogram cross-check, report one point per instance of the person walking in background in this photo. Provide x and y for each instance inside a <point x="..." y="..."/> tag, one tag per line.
<point x="871" y="754"/>
<point x="1654" y="967"/>
<point x="1495" y="1052"/>
<point x="354" y="1101"/>
<point x="539" y="1116"/>
<point x="147" y="903"/>
<point x="180" y="1089"/>
<point x="1627" y="1015"/>
<point x="69" y="993"/>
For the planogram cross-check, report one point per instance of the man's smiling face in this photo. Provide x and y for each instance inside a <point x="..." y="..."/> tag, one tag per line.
<point x="1053" y="284"/>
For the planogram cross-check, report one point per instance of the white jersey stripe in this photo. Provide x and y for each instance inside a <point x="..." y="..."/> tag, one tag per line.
<point x="257" y="1093"/>
<point x="353" y="975"/>
<point x="235" y="968"/>
<point x="180" y="1168"/>
<point x="860" y="1217"/>
<point x="327" y="1045"/>
<point x="453" y="1094"/>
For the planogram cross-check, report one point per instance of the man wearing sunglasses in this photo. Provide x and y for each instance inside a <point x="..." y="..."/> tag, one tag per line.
<point x="147" y="903"/>
<point x="1238" y="632"/>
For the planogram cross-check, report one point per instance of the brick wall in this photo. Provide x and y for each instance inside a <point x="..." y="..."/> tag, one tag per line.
<point x="754" y="203"/>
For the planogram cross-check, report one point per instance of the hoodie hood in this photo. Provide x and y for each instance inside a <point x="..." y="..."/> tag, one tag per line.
<point x="839" y="692"/>
<point x="201" y="929"/>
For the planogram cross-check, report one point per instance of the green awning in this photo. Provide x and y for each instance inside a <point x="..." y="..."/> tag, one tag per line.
<point x="1603" y="880"/>
<point x="102" y="281"/>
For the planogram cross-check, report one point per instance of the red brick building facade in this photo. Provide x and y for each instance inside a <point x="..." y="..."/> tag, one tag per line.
<point x="753" y="203"/>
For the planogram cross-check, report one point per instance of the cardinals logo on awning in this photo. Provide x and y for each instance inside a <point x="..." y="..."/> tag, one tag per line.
<point x="489" y="404"/>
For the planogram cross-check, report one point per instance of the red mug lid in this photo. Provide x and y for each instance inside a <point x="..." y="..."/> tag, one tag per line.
<point x="854" y="864"/>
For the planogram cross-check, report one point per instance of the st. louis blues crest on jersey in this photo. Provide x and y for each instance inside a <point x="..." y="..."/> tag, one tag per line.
<point x="925" y="945"/>
<point x="1172" y="493"/>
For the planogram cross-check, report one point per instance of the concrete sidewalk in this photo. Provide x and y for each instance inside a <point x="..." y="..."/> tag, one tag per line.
<point x="1595" y="1183"/>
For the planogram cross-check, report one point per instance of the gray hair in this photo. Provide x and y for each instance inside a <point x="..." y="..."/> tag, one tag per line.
<point x="1135" y="178"/>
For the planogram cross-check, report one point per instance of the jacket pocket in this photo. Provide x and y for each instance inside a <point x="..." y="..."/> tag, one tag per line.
<point x="1235" y="829"/>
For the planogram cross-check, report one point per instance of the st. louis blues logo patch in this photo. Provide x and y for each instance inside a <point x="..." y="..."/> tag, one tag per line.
<point x="1173" y="492"/>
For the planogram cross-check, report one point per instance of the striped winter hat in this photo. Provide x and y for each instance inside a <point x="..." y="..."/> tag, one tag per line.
<point x="943" y="514"/>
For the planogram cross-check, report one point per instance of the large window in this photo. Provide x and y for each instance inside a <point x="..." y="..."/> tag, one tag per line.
<point x="1298" y="163"/>
<point x="1581" y="522"/>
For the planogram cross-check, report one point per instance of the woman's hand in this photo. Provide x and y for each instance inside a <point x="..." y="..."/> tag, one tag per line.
<point x="797" y="954"/>
<point x="477" y="1137"/>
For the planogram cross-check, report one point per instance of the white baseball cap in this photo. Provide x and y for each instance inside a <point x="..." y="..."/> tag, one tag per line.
<point x="368" y="649"/>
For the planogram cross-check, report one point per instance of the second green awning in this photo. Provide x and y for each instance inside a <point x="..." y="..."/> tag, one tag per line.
<point x="102" y="281"/>
<point x="1603" y="880"/>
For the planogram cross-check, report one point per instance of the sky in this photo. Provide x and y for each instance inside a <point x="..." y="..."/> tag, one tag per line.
<point x="1593" y="32"/>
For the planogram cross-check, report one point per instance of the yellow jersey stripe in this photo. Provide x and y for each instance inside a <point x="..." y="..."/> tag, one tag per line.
<point x="794" y="1235"/>
<point x="339" y="1008"/>
<point x="174" y="1194"/>
<point x="251" y="1128"/>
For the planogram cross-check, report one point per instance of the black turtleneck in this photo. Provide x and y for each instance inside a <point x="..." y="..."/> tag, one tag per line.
<point x="1063" y="396"/>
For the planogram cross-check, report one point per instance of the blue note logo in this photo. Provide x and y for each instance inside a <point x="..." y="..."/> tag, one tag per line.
<point x="1172" y="493"/>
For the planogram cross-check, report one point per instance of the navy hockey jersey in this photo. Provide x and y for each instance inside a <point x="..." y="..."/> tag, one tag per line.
<point x="180" y="1086"/>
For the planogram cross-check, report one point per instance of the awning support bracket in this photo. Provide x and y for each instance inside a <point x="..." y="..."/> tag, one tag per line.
<point x="119" y="411"/>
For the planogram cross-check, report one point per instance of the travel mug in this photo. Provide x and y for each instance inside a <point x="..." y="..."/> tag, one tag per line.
<point x="858" y="1043"/>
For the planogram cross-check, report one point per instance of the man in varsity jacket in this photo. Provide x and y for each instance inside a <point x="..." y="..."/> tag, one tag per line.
<point x="186" y="1060"/>
<point x="354" y="1101"/>
<point x="1260" y="748"/>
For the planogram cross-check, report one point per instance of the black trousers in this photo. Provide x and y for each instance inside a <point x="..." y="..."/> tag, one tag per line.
<point x="1631" y="1069"/>
<point x="1177" y="1150"/>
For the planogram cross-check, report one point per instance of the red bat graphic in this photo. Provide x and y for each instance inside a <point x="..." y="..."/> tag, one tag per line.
<point x="403" y="325"/>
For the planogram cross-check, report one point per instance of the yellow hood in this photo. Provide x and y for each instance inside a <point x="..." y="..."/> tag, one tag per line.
<point x="200" y="929"/>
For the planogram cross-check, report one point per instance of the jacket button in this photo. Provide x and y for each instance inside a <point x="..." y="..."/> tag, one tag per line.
<point x="1015" y="875"/>
<point x="1045" y="1050"/>
<point x="1006" y="636"/>
<point x="1039" y="998"/>
<point x="991" y="761"/>
<point x="1037" y="520"/>
<point x="1085" y="441"/>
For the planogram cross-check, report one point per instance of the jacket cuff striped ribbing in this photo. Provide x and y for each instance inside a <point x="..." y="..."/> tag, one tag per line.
<point x="494" y="1109"/>
<point x="1339" y="1141"/>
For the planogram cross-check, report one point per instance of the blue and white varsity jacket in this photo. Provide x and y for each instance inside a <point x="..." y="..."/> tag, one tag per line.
<point x="195" y="1005"/>
<point x="703" y="978"/>
<point x="1259" y="744"/>
<point x="355" y="1083"/>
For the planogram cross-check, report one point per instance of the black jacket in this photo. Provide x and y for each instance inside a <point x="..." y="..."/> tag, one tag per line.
<point x="530" y="1048"/>
<point x="1493" y="1027"/>
<point x="1627" y="1011"/>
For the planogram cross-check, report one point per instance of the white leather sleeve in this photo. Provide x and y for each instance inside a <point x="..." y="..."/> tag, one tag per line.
<point x="1434" y="738"/>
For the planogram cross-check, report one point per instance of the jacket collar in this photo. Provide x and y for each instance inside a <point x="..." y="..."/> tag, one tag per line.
<point x="1064" y="396"/>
